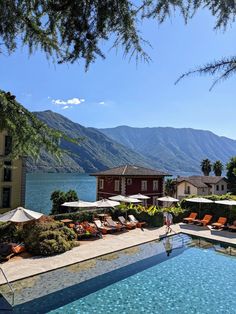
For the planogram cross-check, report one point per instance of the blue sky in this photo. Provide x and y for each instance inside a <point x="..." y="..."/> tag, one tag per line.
<point x="117" y="92"/>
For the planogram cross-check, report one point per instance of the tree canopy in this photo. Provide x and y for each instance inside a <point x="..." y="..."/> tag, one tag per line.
<point x="218" y="167"/>
<point x="206" y="167"/>
<point x="74" y="30"/>
<point x="231" y="174"/>
<point x="29" y="134"/>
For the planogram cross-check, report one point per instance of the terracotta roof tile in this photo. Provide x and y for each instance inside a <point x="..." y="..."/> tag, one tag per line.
<point x="131" y="170"/>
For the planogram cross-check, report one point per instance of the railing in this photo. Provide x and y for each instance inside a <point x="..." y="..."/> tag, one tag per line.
<point x="10" y="287"/>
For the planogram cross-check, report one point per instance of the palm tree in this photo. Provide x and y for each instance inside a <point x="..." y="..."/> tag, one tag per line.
<point x="218" y="168"/>
<point x="170" y="187"/>
<point x="206" y="167"/>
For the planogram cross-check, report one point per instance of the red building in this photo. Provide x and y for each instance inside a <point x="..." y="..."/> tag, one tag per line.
<point x="128" y="180"/>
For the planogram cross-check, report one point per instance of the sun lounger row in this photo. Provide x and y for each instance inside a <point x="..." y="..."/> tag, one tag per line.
<point x="97" y="228"/>
<point x="219" y="224"/>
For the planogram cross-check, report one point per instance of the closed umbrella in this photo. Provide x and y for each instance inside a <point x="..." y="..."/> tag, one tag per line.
<point x="20" y="214"/>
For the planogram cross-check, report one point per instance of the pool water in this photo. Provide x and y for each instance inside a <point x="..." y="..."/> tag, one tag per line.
<point x="182" y="278"/>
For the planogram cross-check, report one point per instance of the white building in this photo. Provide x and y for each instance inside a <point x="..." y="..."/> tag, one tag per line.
<point x="200" y="185"/>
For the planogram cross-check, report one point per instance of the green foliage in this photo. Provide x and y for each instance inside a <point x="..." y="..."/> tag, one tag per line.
<point x="8" y="232"/>
<point x="170" y="187"/>
<point x="231" y="174"/>
<point x="59" y="197"/>
<point x="47" y="237"/>
<point x="73" y="30"/>
<point x="29" y="134"/>
<point x="206" y="167"/>
<point x="218" y="168"/>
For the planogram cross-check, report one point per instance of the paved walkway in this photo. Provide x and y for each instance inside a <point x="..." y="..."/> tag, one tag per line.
<point x="21" y="268"/>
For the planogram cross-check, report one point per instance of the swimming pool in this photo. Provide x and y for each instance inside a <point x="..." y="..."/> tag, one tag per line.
<point x="176" y="275"/>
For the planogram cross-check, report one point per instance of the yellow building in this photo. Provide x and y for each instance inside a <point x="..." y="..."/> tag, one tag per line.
<point x="12" y="176"/>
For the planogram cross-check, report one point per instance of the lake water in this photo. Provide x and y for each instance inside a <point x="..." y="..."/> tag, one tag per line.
<point x="39" y="187"/>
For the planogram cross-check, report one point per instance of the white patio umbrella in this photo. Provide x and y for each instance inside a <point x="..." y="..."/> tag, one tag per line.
<point x="20" y="214"/>
<point x="118" y="198"/>
<point x="131" y="200"/>
<point x="140" y="196"/>
<point x="229" y="203"/>
<point x="199" y="200"/>
<point x="168" y="199"/>
<point x="81" y="204"/>
<point x="226" y="202"/>
<point x="106" y="203"/>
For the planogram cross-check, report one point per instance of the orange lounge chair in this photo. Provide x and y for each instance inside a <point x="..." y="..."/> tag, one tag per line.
<point x="205" y="221"/>
<point x="220" y="223"/>
<point x="233" y="226"/>
<point x="190" y="218"/>
<point x="127" y="224"/>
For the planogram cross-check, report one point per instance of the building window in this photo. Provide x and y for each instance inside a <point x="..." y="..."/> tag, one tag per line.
<point x="8" y="144"/>
<point x="143" y="185"/>
<point x="7" y="171"/>
<point x="117" y="186"/>
<point x="217" y="187"/>
<point x="101" y="184"/>
<point x="129" y="181"/>
<point x="222" y="187"/>
<point x="187" y="190"/>
<point x="6" y="197"/>
<point x="155" y="185"/>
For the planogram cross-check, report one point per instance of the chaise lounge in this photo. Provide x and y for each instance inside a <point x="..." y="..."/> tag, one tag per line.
<point x="102" y="228"/>
<point x="190" y="218"/>
<point x="203" y="222"/>
<point x="113" y="224"/>
<point x="232" y="227"/>
<point x="139" y="224"/>
<point x="127" y="224"/>
<point x="220" y="223"/>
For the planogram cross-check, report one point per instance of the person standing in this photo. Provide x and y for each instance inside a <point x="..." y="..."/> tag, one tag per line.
<point x="168" y="222"/>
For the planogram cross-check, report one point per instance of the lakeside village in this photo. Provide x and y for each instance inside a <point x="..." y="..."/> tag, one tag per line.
<point x="127" y="197"/>
<point x="129" y="211"/>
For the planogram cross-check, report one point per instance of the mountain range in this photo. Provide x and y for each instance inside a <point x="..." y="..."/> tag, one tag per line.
<point x="177" y="151"/>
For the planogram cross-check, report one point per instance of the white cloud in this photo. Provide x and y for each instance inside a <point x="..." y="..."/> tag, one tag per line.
<point x="72" y="101"/>
<point x="102" y="103"/>
<point x="66" y="107"/>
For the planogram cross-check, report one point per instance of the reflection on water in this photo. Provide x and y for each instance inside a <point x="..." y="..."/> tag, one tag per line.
<point x="39" y="187"/>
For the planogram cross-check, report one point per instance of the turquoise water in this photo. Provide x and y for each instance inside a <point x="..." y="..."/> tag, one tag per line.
<point x="175" y="275"/>
<point x="40" y="186"/>
<point x="196" y="281"/>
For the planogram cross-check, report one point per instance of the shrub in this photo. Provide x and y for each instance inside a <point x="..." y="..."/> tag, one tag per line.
<point x="9" y="232"/>
<point x="59" y="197"/>
<point x="48" y="237"/>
